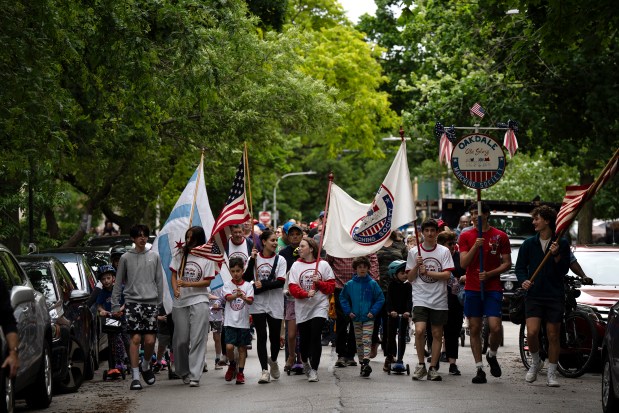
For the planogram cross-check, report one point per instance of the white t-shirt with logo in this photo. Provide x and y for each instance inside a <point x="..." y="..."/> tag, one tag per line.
<point x="196" y="269"/>
<point x="272" y="301"/>
<point x="430" y="292"/>
<point x="236" y="313"/>
<point x="238" y="251"/>
<point x="301" y="274"/>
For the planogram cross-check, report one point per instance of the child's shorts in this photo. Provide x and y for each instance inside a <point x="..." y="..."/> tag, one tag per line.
<point x="289" y="310"/>
<point x="425" y="314"/>
<point x="216" y="326"/>
<point x="238" y="337"/>
<point x="141" y="318"/>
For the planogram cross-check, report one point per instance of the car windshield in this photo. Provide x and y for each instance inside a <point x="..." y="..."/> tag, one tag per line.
<point x="42" y="280"/>
<point x="599" y="265"/>
<point x="513" y="225"/>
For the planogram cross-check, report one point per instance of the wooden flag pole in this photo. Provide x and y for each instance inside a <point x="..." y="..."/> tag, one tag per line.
<point x="251" y="206"/>
<point x="324" y="223"/>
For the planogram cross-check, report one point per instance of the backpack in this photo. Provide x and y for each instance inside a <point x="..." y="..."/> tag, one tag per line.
<point x="516" y="306"/>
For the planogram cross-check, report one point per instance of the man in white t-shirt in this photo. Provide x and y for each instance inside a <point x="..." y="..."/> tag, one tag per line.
<point x="239" y="245"/>
<point x="428" y="268"/>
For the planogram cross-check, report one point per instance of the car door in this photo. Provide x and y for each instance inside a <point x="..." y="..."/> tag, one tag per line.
<point x="77" y="312"/>
<point x="29" y="322"/>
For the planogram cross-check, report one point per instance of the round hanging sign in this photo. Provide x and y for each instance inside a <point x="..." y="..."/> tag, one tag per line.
<point x="478" y="161"/>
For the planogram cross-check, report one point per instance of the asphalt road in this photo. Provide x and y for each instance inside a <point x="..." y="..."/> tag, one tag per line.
<point x="342" y="390"/>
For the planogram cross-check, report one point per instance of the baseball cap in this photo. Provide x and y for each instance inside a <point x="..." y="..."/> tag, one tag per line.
<point x="261" y="226"/>
<point x="289" y="225"/>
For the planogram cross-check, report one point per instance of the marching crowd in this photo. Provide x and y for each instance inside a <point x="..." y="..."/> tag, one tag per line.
<point x="284" y="289"/>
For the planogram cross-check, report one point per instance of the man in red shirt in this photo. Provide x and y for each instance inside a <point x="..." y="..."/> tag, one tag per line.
<point x="496" y="260"/>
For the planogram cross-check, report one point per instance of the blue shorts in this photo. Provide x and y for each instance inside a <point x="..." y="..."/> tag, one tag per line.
<point x="490" y="307"/>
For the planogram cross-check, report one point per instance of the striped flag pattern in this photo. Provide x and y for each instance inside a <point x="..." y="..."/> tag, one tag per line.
<point x="510" y="142"/>
<point x="577" y="195"/>
<point x="445" y="149"/>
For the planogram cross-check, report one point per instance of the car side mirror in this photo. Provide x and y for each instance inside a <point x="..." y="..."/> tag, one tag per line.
<point x="78" y="295"/>
<point x="20" y="295"/>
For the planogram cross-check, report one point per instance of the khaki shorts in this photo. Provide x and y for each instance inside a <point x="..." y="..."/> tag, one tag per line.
<point x="434" y="317"/>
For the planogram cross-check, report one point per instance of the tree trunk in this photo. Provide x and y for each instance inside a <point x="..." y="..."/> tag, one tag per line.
<point x="13" y="241"/>
<point x="585" y="224"/>
<point x="52" y="224"/>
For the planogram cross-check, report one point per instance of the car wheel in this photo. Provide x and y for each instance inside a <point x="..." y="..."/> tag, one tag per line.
<point x="76" y="360"/>
<point x="610" y="403"/>
<point x="6" y="392"/>
<point x="39" y="396"/>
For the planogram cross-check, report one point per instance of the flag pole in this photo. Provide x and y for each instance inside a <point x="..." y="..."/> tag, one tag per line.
<point x="324" y="223"/>
<point x="415" y="222"/>
<point x="179" y="274"/>
<point x="592" y="190"/>
<point x="251" y="205"/>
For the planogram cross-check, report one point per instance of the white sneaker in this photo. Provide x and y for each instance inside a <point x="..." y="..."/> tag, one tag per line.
<point x="306" y="369"/>
<point x="552" y="379"/>
<point x="532" y="373"/>
<point x="274" y="369"/>
<point x="312" y="376"/>
<point x="265" y="377"/>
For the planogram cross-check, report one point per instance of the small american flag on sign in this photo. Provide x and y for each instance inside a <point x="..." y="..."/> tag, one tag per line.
<point x="477" y="110"/>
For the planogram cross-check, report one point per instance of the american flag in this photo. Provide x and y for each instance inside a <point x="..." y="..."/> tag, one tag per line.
<point x="445" y="149"/>
<point x="577" y="195"/>
<point x="234" y="212"/>
<point x="477" y="110"/>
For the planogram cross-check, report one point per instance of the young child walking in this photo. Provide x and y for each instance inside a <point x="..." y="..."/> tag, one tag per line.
<point x="239" y="295"/>
<point x="399" y="307"/>
<point x="361" y="300"/>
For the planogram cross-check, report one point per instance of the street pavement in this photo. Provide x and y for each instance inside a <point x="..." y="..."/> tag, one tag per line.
<point x="343" y="390"/>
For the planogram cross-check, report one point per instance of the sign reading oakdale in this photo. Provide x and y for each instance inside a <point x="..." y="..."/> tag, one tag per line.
<point x="478" y="161"/>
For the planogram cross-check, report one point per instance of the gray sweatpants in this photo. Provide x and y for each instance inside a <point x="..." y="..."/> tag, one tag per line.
<point x="189" y="340"/>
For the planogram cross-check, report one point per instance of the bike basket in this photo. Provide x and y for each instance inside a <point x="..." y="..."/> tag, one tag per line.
<point x="111" y="325"/>
<point x="516" y="307"/>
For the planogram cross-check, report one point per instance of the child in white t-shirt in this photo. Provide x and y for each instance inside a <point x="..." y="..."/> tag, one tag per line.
<point x="239" y="294"/>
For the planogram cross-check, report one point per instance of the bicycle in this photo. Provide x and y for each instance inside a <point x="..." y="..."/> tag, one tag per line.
<point x="578" y="336"/>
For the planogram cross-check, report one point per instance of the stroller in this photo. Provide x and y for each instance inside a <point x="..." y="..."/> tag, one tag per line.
<point x="398" y="367"/>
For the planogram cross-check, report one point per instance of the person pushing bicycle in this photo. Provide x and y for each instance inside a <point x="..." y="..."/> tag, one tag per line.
<point x="546" y="294"/>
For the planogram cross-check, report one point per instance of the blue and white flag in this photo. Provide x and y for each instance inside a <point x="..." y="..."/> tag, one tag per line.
<point x="171" y="238"/>
<point x="354" y="229"/>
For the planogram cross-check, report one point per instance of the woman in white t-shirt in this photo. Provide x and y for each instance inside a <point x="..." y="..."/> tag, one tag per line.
<point x="310" y="283"/>
<point x="190" y="310"/>
<point x="268" y="272"/>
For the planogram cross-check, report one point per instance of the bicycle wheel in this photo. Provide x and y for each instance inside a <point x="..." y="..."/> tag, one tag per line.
<point x="523" y="346"/>
<point x="578" y="344"/>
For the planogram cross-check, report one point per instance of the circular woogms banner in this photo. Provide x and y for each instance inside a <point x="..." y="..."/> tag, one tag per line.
<point x="478" y="161"/>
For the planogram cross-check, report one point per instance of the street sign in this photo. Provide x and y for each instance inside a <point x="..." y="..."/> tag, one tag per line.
<point x="478" y="161"/>
<point x="265" y="217"/>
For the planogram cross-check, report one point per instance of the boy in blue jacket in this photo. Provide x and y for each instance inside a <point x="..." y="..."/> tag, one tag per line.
<point x="362" y="299"/>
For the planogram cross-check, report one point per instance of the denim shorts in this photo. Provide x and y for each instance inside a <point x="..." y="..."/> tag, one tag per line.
<point x="490" y="306"/>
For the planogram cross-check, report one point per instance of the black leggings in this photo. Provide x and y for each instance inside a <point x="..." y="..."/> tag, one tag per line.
<point x="311" y="347"/>
<point x="396" y="348"/>
<point x="453" y="327"/>
<point x="275" y="325"/>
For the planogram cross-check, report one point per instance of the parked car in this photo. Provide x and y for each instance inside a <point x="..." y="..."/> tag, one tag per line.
<point x="34" y="376"/>
<point x="85" y="280"/>
<point x="70" y="317"/>
<point x="114" y="240"/>
<point x="510" y="282"/>
<point x="517" y="225"/>
<point x="610" y="360"/>
<point x="600" y="262"/>
<point x="95" y="256"/>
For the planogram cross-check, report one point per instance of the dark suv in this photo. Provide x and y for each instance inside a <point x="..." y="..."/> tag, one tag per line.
<point x="34" y="376"/>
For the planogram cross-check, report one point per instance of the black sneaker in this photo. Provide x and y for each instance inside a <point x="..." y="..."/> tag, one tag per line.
<point x="135" y="385"/>
<point x="480" y="378"/>
<point x="148" y="376"/>
<point x="495" y="369"/>
<point x="453" y="370"/>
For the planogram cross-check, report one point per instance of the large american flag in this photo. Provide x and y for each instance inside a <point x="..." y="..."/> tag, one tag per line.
<point x="477" y="110"/>
<point x="577" y="195"/>
<point x="234" y="212"/>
